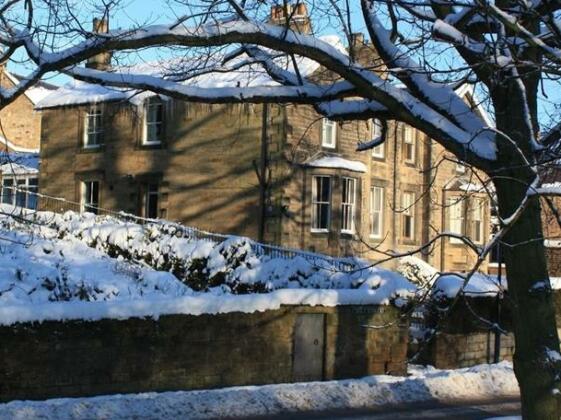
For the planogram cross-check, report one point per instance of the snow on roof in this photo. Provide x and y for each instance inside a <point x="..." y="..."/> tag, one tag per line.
<point x="337" y="162"/>
<point x="19" y="163"/>
<point x="36" y="93"/>
<point x="79" y="93"/>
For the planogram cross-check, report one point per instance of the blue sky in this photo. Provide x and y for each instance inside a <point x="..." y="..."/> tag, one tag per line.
<point x="134" y="12"/>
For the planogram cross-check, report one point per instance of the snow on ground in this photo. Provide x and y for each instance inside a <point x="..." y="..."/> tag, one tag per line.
<point x="423" y="384"/>
<point x="73" y="266"/>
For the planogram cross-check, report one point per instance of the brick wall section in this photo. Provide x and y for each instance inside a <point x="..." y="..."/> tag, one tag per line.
<point x="56" y="359"/>
<point x="20" y="123"/>
<point x="462" y="340"/>
<point x="205" y="166"/>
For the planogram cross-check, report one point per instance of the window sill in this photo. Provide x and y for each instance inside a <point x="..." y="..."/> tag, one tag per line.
<point x="348" y="232"/>
<point x="92" y="149"/>
<point x="325" y="146"/>
<point x="152" y="145"/>
<point x="375" y="237"/>
<point x="319" y="230"/>
<point x="379" y="158"/>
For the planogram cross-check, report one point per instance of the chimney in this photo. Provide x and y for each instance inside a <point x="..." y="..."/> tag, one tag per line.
<point x="101" y="61"/>
<point x="296" y="14"/>
<point x="357" y="39"/>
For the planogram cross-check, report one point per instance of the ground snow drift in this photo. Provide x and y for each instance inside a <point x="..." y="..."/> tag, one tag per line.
<point x="480" y="382"/>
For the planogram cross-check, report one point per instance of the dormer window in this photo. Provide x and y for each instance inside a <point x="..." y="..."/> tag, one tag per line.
<point x="153" y="121"/>
<point x="93" y="127"/>
<point x="328" y="133"/>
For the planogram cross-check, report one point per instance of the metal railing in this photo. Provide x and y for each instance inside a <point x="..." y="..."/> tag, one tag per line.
<point x="45" y="203"/>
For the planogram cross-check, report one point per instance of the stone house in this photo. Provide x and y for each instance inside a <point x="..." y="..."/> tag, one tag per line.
<point x="281" y="174"/>
<point x="20" y="133"/>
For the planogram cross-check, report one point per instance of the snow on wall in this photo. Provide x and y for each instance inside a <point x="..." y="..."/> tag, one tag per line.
<point x="198" y="304"/>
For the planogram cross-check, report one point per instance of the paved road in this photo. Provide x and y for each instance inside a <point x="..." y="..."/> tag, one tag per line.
<point x="458" y="410"/>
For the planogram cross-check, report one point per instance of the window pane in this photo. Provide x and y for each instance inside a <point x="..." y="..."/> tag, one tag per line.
<point x="21" y="193"/>
<point x="94" y="127"/>
<point x="152" y="201"/>
<point x="91" y="196"/>
<point x="348" y="205"/>
<point x="321" y="196"/>
<point x="7" y="191"/>
<point x="408" y="200"/>
<point x="376" y="199"/>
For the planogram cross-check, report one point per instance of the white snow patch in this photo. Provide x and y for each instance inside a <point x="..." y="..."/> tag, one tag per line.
<point x="44" y="277"/>
<point x="336" y="162"/>
<point x="480" y="285"/>
<point x="484" y="382"/>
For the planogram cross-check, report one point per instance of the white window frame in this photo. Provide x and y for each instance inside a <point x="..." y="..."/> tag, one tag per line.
<point x="317" y="203"/>
<point x="328" y="126"/>
<point x="20" y="185"/>
<point x="85" y="201"/>
<point x="96" y="131"/>
<point x="376" y="212"/>
<point x="348" y="205"/>
<point x="409" y="141"/>
<point x="152" y="101"/>
<point x="376" y="132"/>
<point x="456" y="218"/>
<point x="478" y="206"/>
<point x="408" y="206"/>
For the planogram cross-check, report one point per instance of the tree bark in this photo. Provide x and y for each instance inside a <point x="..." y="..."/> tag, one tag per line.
<point x="535" y="327"/>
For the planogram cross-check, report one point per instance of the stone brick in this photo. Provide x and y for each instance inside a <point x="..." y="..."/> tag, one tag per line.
<point x="188" y="352"/>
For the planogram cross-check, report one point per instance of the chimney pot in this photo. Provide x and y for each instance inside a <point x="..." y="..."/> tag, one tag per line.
<point x="101" y="61"/>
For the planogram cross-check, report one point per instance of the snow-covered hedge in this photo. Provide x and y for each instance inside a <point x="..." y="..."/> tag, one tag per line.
<point x="417" y="271"/>
<point x="231" y="266"/>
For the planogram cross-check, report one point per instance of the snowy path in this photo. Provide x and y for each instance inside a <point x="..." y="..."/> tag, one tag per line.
<point x="484" y="382"/>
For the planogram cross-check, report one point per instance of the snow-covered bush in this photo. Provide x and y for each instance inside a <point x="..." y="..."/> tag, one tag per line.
<point x="235" y="265"/>
<point x="417" y="271"/>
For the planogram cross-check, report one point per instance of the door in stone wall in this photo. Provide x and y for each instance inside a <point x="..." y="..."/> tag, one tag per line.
<point x="309" y="346"/>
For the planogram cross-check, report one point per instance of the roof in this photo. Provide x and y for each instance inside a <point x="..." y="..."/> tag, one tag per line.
<point x="37" y="92"/>
<point x="19" y="163"/>
<point x="80" y="93"/>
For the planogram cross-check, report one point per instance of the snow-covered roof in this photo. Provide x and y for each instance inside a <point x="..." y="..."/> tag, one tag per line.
<point x="19" y="163"/>
<point x="79" y="93"/>
<point x="336" y="162"/>
<point x="36" y="93"/>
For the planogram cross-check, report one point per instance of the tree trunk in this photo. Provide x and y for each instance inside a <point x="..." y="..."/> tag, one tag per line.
<point x="533" y="311"/>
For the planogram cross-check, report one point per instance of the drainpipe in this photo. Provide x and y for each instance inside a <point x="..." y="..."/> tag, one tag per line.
<point x="262" y="173"/>
<point x="443" y="228"/>
<point x="394" y="187"/>
<point x="429" y="172"/>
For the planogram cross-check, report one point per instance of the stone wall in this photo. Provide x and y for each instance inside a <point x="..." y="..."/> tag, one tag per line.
<point x="463" y="340"/>
<point x="79" y="358"/>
